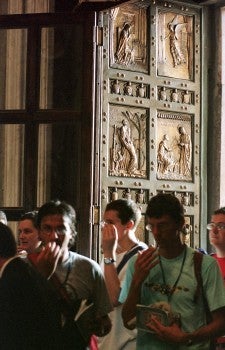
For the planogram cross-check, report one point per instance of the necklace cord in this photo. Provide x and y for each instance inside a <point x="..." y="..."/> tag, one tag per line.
<point x="165" y="289"/>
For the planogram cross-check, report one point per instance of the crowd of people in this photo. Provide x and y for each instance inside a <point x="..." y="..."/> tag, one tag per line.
<point x="167" y="296"/>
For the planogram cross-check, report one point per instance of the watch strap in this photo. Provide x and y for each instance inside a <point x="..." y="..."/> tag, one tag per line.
<point x="109" y="261"/>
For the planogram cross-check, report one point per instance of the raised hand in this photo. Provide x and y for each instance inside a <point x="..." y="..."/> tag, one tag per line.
<point x="109" y="240"/>
<point x="47" y="260"/>
<point x="146" y="260"/>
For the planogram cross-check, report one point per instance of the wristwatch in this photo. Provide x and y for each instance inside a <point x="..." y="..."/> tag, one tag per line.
<point x="109" y="261"/>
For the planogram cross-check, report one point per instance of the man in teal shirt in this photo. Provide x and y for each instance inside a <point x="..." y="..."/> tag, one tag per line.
<point x="165" y="275"/>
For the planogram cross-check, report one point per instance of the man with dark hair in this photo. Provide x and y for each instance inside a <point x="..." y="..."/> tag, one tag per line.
<point x="119" y="243"/>
<point x="76" y="278"/>
<point x="165" y="278"/>
<point x="28" y="235"/>
<point x="29" y="317"/>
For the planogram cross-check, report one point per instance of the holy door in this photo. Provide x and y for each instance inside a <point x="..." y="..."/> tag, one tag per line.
<point x="150" y="110"/>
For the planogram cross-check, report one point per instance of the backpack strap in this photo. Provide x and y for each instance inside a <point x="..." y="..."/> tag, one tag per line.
<point x="197" y="258"/>
<point x="199" y="290"/>
<point x="128" y="255"/>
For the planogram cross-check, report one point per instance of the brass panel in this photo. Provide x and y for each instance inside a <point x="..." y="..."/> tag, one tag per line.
<point x="175" y="44"/>
<point x="151" y="97"/>
<point x="127" y="142"/>
<point x="174" y="152"/>
<point x="128" y="39"/>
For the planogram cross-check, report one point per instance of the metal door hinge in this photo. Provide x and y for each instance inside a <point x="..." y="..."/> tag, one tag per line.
<point x="95" y="215"/>
<point x="99" y="36"/>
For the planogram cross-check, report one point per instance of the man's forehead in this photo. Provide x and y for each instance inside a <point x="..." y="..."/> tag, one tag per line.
<point x="162" y="218"/>
<point x="52" y="218"/>
<point x="113" y="214"/>
<point x="218" y="217"/>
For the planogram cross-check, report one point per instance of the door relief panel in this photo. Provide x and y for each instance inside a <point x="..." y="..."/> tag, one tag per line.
<point x="127" y="141"/>
<point x="175" y="45"/>
<point x="151" y="106"/>
<point x="128" y="38"/>
<point x="174" y="153"/>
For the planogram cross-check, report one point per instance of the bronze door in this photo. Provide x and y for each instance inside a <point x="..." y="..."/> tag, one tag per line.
<point x="150" y="110"/>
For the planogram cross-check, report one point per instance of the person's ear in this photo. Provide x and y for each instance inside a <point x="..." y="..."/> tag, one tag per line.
<point x="130" y="225"/>
<point x="181" y="224"/>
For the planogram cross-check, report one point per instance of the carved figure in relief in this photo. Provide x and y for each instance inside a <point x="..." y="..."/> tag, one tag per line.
<point x="186" y="199"/>
<point x="127" y="148"/>
<point x="118" y="158"/>
<point x="164" y="157"/>
<point x="176" y="41"/>
<point x="184" y="145"/>
<point x="186" y="97"/>
<point x="124" y="53"/>
<point x="175" y="96"/>
<point x="116" y="87"/>
<point x="163" y="95"/>
<point x="128" y="89"/>
<point x="114" y="194"/>
<point x="140" y="197"/>
<point x="128" y="151"/>
<point x="141" y="90"/>
<point x="185" y="234"/>
<point x="127" y="194"/>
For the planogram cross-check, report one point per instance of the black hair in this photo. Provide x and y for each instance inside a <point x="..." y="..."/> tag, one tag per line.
<point x="8" y="246"/>
<point x="220" y="211"/>
<point x="165" y="204"/>
<point x="127" y="210"/>
<point x="32" y="216"/>
<point x="57" y="207"/>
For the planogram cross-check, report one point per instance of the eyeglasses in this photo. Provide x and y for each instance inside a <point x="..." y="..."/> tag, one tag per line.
<point x="47" y="230"/>
<point x="160" y="227"/>
<point x="220" y="226"/>
<point x="102" y="224"/>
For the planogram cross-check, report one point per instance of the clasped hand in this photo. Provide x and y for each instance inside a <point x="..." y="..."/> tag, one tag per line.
<point x="169" y="334"/>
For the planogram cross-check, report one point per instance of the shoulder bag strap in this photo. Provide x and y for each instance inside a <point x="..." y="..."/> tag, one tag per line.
<point x="127" y="256"/>
<point x="199" y="290"/>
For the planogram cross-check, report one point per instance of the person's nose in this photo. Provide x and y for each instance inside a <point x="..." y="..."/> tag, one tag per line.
<point x="54" y="235"/>
<point x="21" y="234"/>
<point x="215" y="229"/>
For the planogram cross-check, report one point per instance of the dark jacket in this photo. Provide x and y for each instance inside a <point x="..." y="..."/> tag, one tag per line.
<point x="29" y="315"/>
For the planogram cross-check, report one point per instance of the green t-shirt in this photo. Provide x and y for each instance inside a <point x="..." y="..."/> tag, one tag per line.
<point x="182" y="301"/>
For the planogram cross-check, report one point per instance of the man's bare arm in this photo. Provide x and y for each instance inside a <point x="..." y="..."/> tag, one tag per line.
<point x="145" y="262"/>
